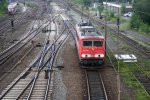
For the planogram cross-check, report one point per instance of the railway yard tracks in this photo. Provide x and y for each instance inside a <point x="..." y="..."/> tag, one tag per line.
<point x="20" y="44"/>
<point x="35" y="81"/>
<point x="7" y="24"/>
<point x="35" y="29"/>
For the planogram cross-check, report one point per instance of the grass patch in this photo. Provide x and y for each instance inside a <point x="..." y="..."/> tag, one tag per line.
<point x="141" y="95"/>
<point x="125" y="26"/>
<point x="3" y="7"/>
<point x="2" y="13"/>
<point x="125" y="47"/>
<point x="128" y="78"/>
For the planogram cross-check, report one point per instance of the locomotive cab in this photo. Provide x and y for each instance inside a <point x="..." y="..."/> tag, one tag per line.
<point x="93" y="52"/>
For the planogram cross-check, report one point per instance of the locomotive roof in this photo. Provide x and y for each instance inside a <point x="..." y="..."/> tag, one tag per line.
<point x="89" y="31"/>
<point x="85" y="24"/>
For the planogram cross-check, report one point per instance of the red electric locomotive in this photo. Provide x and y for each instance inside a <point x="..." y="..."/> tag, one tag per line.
<point x="90" y="44"/>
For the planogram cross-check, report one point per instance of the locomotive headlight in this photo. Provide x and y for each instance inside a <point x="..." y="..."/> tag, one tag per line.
<point x="99" y="55"/>
<point x="86" y="55"/>
<point x="83" y="55"/>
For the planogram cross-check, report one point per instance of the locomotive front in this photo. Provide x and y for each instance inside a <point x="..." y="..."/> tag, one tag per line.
<point x="92" y="51"/>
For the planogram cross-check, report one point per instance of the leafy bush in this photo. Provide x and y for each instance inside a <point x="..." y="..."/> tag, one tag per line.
<point x="111" y="14"/>
<point x="100" y="9"/>
<point x="144" y="28"/>
<point x="135" y="21"/>
<point x="3" y="7"/>
<point x="139" y="25"/>
<point x="79" y="2"/>
<point x="123" y="9"/>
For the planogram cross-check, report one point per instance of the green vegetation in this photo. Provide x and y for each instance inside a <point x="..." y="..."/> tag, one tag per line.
<point x="124" y="26"/>
<point x="128" y="78"/>
<point x="141" y="18"/>
<point x="3" y="7"/>
<point x="137" y="24"/>
<point x="84" y="2"/>
<point x="100" y="8"/>
<point x="123" y="9"/>
<point x="142" y="8"/>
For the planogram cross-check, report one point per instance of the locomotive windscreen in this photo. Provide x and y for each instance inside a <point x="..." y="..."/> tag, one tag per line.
<point x="93" y="43"/>
<point x="87" y="43"/>
<point x="97" y="43"/>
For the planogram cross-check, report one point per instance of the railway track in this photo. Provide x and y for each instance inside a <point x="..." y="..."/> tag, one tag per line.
<point x="36" y="81"/>
<point x="6" y="54"/>
<point x="17" y="46"/>
<point x="18" y="20"/>
<point x="14" y="49"/>
<point x="95" y="85"/>
<point x="144" y="80"/>
<point x="3" y="20"/>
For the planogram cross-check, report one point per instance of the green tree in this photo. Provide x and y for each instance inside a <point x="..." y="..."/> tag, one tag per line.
<point x="100" y="8"/>
<point x="3" y="6"/>
<point x="142" y="8"/>
<point x="135" y="21"/>
<point x="87" y="2"/>
<point x="123" y="9"/>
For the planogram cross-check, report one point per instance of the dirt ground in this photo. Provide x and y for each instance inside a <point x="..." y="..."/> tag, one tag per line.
<point x="68" y="81"/>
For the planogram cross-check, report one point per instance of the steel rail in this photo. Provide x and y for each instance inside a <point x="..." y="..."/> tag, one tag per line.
<point x="95" y="85"/>
<point x="40" y="68"/>
<point x="17" y="80"/>
<point x="13" y="52"/>
<point x="14" y="83"/>
<point x="34" y="80"/>
<point x="51" y="64"/>
<point x="17" y="98"/>
<point x="29" y="33"/>
<point x="17" y="21"/>
<point x="14" y="66"/>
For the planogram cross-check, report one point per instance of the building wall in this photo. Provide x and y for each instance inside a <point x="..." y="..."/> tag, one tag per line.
<point x="116" y="8"/>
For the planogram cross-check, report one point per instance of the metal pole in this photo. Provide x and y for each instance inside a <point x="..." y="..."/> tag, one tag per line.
<point x="106" y="25"/>
<point x="118" y="75"/>
<point x="82" y="13"/>
<point x="12" y="22"/>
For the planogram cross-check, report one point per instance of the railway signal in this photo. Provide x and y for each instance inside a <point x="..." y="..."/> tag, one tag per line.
<point x="12" y="21"/>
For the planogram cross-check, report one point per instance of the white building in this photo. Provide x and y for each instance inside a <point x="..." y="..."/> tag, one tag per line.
<point x="116" y="8"/>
